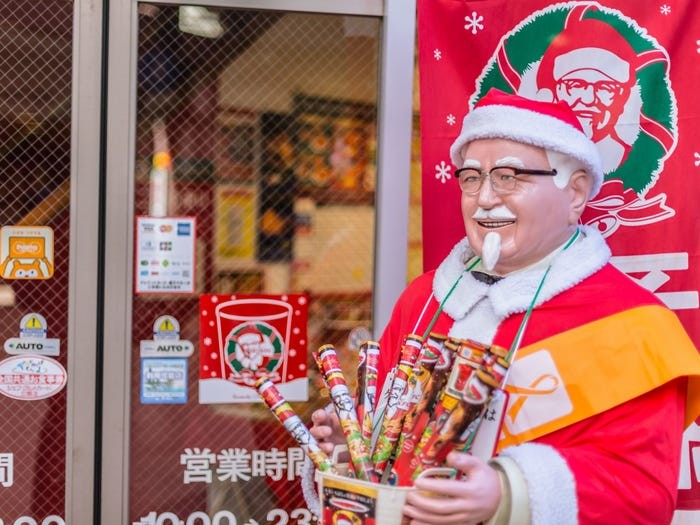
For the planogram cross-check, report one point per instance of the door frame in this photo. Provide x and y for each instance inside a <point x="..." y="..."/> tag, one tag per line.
<point x="83" y="348"/>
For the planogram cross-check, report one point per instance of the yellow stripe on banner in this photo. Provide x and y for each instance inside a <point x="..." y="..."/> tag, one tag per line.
<point x="582" y="372"/>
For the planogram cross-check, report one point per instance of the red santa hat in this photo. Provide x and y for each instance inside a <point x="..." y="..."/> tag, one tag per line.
<point x="587" y="44"/>
<point x="551" y="126"/>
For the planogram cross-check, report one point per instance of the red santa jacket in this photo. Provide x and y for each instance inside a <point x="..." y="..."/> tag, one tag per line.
<point x="620" y="465"/>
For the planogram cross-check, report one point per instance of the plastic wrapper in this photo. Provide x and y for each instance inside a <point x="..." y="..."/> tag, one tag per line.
<point x="293" y="423"/>
<point x="367" y="387"/>
<point x="345" y="408"/>
<point x="399" y="396"/>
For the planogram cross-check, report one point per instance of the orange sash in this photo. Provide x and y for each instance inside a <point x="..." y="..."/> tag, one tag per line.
<point x="574" y="375"/>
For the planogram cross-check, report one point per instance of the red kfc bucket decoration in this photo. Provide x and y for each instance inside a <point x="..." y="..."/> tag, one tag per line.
<point x="246" y="337"/>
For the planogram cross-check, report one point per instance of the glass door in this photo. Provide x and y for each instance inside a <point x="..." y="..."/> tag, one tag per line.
<point x="49" y="193"/>
<point x="244" y="222"/>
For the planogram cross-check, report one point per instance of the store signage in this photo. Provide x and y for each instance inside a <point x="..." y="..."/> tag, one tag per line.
<point x="52" y="519"/>
<point x="166" y="340"/>
<point x="32" y="338"/>
<point x="26" y="252"/>
<point x="246" y="337"/>
<point x="7" y="469"/>
<point x="163" y="381"/>
<point x="298" y="516"/>
<point x="31" y="377"/>
<point x="165" y="255"/>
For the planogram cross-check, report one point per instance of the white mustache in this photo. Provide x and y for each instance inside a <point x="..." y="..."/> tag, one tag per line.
<point x="499" y="213"/>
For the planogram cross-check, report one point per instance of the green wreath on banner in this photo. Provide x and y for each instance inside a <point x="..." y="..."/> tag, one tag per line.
<point x="519" y="54"/>
<point x="261" y="335"/>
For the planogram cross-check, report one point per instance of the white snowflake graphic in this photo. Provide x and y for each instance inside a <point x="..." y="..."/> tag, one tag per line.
<point x="451" y="119"/>
<point x="442" y="171"/>
<point x="697" y="43"/>
<point x="697" y="158"/>
<point x="665" y="9"/>
<point x="474" y="22"/>
<point x="437" y="54"/>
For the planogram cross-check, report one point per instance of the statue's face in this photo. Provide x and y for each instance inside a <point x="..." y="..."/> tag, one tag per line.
<point x="532" y="220"/>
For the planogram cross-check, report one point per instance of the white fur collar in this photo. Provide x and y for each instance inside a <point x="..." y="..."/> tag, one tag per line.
<point x="514" y="293"/>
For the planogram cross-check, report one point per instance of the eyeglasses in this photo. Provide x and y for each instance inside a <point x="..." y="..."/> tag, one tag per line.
<point x="603" y="91"/>
<point x="504" y="179"/>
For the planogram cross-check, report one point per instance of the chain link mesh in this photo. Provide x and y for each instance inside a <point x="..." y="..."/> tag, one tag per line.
<point x="271" y="127"/>
<point x="276" y="116"/>
<point x="35" y="138"/>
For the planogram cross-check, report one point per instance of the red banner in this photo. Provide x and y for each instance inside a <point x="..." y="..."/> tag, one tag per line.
<point x="630" y="70"/>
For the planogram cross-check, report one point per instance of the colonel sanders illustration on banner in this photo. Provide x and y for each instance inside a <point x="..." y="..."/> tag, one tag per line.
<point x="630" y="71"/>
<point x="615" y="77"/>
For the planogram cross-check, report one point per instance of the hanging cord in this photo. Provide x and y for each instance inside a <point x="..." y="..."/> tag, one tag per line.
<point x="526" y="318"/>
<point x="472" y="263"/>
<point x="521" y="329"/>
